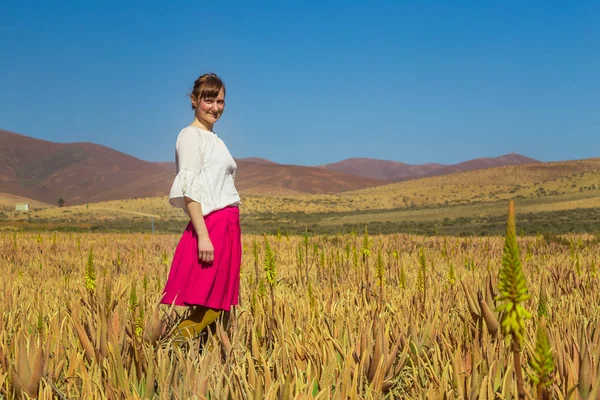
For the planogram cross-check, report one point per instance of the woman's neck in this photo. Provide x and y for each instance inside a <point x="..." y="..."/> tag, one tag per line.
<point x="202" y="125"/>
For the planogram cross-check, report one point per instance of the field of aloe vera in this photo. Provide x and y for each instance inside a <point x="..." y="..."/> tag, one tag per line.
<point x="327" y="317"/>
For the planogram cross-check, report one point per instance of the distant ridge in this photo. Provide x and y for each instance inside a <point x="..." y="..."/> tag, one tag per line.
<point x="88" y="172"/>
<point x="396" y="171"/>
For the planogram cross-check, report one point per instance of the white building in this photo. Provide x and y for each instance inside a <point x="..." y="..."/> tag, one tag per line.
<point x="22" y="207"/>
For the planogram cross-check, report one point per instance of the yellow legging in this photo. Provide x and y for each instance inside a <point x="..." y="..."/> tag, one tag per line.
<point x="195" y="323"/>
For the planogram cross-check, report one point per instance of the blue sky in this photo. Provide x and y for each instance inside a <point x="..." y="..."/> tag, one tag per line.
<point x="310" y="82"/>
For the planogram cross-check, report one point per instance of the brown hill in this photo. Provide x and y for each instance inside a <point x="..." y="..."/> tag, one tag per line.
<point x="396" y="171"/>
<point x="170" y="165"/>
<point x="256" y="160"/>
<point x="167" y="165"/>
<point x="260" y="176"/>
<point x="87" y="172"/>
<point x="381" y="169"/>
<point x="483" y="163"/>
<point x="76" y="172"/>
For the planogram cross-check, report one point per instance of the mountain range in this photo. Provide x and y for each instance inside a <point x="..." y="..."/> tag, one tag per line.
<point x="396" y="171"/>
<point x="87" y="172"/>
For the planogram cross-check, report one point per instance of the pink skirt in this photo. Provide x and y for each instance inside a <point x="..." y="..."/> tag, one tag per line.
<point x="215" y="285"/>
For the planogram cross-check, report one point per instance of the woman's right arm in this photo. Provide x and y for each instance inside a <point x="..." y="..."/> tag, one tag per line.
<point x="190" y="162"/>
<point x="206" y="251"/>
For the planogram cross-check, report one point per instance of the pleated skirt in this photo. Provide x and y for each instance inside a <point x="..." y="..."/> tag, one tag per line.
<point x="215" y="285"/>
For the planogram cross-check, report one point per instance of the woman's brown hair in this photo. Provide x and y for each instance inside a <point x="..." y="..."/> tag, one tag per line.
<point x="206" y="86"/>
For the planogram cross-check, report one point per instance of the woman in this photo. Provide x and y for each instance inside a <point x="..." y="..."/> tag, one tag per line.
<point x="205" y="272"/>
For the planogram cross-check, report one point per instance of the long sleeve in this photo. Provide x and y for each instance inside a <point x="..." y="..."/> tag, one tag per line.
<point x="189" y="157"/>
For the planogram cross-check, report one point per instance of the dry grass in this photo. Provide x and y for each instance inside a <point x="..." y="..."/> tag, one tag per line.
<point x="397" y="316"/>
<point x="528" y="181"/>
<point x="482" y="210"/>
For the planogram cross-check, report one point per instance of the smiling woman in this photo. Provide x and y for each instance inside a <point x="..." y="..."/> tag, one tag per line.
<point x="208" y="89"/>
<point x="205" y="272"/>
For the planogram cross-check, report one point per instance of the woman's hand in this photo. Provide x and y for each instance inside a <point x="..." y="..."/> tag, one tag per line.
<point x="206" y="251"/>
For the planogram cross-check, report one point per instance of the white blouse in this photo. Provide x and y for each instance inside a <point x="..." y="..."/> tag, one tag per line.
<point x="205" y="171"/>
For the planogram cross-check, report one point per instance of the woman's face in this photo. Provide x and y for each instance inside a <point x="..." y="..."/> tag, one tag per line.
<point x="209" y="109"/>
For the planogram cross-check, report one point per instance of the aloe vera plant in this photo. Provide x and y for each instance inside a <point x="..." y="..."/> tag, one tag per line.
<point x="512" y="287"/>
